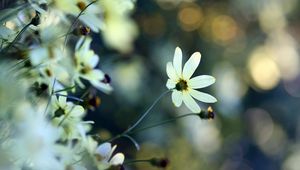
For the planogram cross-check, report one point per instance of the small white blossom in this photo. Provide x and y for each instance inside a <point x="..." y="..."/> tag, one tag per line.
<point x="101" y="155"/>
<point x="119" y="30"/>
<point x="91" y="15"/>
<point x="67" y="116"/>
<point x="184" y="86"/>
<point x="86" y="61"/>
<point x="34" y="144"/>
<point x="106" y="157"/>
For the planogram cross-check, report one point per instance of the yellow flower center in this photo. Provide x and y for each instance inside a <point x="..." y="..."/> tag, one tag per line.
<point x="181" y="85"/>
<point x="84" y="69"/>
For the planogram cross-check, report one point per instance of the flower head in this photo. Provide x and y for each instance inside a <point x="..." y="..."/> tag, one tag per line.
<point x="106" y="157"/>
<point x="184" y="86"/>
<point x="68" y="114"/>
<point x="86" y="66"/>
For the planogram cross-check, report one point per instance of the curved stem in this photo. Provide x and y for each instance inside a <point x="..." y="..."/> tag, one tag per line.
<point x="146" y="113"/>
<point x="75" y="21"/>
<point x="137" y="161"/>
<point x="163" y="122"/>
<point x="126" y="132"/>
<point x="50" y="97"/>
<point x="133" y="141"/>
<point x="4" y="50"/>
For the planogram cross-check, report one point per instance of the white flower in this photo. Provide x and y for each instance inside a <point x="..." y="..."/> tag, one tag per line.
<point x="91" y="15"/>
<point x="184" y="86"/>
<point x="106" y="157"/>
<point x="86" y="61"/>
<point x="119" y="30"/>
<point x="67" y="116"/>
<point x="34" y="144"/>
<point x="102" y="155"/>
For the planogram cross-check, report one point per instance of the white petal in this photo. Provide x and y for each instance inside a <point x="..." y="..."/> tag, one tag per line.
<point x="112" y="150"/>
<point x="201" y="81"/>
<point x="177" y="98"/>
<point x="177" y="61"/>
<point x="77" y="111"/>
<point x="79" y="82"/>
<point x="117" y="159"/>
<point x="94" y="75"/>
<point x="62" y="100"/>
<point x="86" y="44"/>
<point x="171" y="71"/>
<point x="104" y="87"/>
<point x="171" y="84"/>
<point x="203" y="97"/>
<point x="79" y="43"/>
<point x="190" y="103"/>
<point x="93" y="61"/>
<point x="104" y="150"/>
<point x="191" y="65"/>
<point x="81" y="131"/>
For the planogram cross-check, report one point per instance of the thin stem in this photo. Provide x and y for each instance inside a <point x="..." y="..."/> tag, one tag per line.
<point x="50" y="97"/>
<point x="70" y="97"/>
<point x="18" y="63"/>
<point x="65" y="89"/>
<point x="16" y="38"/>
<point x="137" y="161"/>
<point x="133" y="141"/>
<point x="75" y="21"/>
<point x="126" y="132"/>
<point x="163" y="122"/>
<point x="146" y="113"/>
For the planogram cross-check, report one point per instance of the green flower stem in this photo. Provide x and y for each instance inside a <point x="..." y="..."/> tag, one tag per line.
<point x="128" y="131"/>
<point x="146" y="113"/>
<point x="15" y="39"/>
<point x="125" y="133"/>
<point x="65" y="89"/>
<point x="75" y="21"/>
<point x="50" y="97"/>
<point x="137" y="161"/>
<point x="163" y="122"/>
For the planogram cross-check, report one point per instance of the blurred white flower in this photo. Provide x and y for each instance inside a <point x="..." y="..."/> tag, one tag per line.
<point x="67" y="116"/>
<point x="34" y="141"/>
<point x="105" y="155"/>
<point x="91" y="15"/>
<point x="6" y="35"/>
<point x="184" y="86"/>
<point x="102" y="155"/>
<point x="119" y="30"/>
<point x="12" y="90"/>
<point x="86" y="61"/>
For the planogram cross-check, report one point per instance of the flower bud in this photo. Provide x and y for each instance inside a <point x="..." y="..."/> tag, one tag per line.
<point x="106" y="79"/>
<point x="209" y="114"/>
<point x="36" y="20"/>
<point x="159" y="162"/>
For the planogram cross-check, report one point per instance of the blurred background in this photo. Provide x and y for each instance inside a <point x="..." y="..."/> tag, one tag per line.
<point x="250" y="46"/>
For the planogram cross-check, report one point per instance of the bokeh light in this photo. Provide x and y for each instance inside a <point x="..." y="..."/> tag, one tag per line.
<point x="224" y="28"/>
<point x="263" y="69"/>
<point x="190" y="17"/>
